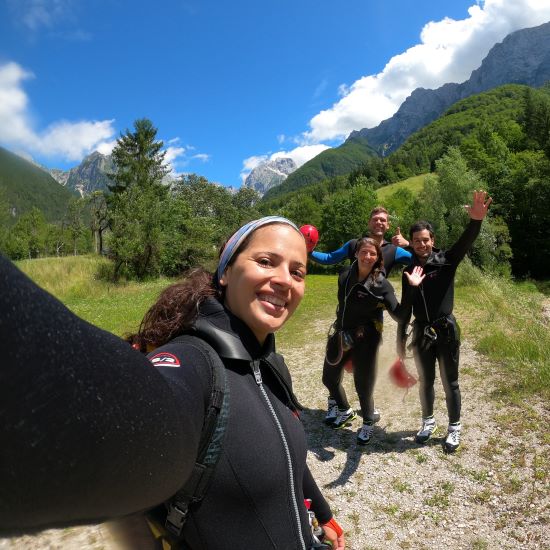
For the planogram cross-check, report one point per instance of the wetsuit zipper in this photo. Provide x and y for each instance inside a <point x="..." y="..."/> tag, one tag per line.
<point x="258" y="377"/>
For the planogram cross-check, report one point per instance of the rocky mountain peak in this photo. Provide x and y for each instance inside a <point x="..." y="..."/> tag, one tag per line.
<point x="523" y="57"/>
<point x="269" y="174"/>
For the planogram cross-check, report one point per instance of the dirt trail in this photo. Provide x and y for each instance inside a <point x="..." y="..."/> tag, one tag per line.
<point x="494" y="493"/>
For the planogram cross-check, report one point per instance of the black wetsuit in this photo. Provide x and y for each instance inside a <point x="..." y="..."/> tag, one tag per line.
<point x="432" y="305"/>
<point x="91" y="430"/>
<point x="360" y="313"/>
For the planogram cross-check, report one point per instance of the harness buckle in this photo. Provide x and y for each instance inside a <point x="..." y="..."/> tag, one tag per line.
<point x="175" y="519"/>
<point x="430" y="333"/>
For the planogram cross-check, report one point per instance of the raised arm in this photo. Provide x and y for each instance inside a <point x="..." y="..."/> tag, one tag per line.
<point x="399" y="240"/>
<point x="477" y="211"/>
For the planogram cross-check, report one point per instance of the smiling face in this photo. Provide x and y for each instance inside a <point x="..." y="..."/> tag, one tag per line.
<point x="265" y="283"/>
<point x="422" y="243"/>
<point x="367" y="256"/>
<point x="378" y="224"/>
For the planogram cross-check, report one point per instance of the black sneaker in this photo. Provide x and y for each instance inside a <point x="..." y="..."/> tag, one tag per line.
<point x="428" y="428"/>
<point x="332" y="412"/>
<point x="365" y="434"/>
<point x="344" y="419"/>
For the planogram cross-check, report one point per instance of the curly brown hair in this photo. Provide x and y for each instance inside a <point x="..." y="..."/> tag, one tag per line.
<point x="174" y="311"/>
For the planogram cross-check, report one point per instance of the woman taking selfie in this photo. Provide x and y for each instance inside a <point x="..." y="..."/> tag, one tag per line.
<point x="97" y="432"/>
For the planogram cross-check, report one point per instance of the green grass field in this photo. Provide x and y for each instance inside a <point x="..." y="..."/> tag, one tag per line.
<point x="413" y="184"/>
<point x="504" y="320"/>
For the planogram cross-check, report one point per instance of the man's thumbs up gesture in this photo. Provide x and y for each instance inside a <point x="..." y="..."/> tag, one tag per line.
<point x="399" y="240"/>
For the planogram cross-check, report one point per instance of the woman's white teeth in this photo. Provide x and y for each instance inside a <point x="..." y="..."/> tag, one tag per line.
<point x="272" y="300"/>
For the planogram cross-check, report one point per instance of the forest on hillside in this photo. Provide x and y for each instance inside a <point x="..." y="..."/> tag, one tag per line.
<point x="498" y="140"/>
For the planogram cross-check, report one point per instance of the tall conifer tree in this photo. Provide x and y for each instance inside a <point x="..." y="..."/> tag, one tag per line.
<point x="136" y="201"/>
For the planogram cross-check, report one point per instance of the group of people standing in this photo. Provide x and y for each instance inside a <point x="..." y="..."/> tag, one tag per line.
<point x="94" y="429"/>
<point x="427" y="294"/>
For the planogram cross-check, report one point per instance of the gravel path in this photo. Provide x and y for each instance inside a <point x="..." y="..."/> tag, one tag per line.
<point x="494" y="493"/>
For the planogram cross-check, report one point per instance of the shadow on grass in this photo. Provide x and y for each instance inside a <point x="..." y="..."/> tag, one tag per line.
<point x="322" y="439"/>
<point x="543" y="287"/>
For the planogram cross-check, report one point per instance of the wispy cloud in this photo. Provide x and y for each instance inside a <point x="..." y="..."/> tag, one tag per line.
<point x="178" y="156"/>
<point x="448" y="51"/>
<point x="63" y="139"/>
<point x="203" y="157"/>
<point x="40" y="14"/>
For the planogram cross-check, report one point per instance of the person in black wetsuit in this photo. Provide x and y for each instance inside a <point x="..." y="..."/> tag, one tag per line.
<point x="363" y="293"/>
<point x="93" y="431"/>
<point x="435" y="333"/>
<point x="392" y="253"/>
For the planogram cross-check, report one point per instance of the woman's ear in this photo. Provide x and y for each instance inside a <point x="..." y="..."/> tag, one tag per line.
<point x="223" y="280"/>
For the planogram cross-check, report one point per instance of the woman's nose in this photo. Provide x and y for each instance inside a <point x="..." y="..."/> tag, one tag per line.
<point x="282" y="277"/>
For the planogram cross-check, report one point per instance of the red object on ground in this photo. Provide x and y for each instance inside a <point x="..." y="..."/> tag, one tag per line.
<point x="311" y="235"/>
<point x="348" y="365"/>
<point x="400" y="376"/>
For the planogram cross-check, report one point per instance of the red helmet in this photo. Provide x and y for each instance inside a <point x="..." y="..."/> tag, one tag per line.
<point x="311" y="235"/>
<point x="400" y="376"/>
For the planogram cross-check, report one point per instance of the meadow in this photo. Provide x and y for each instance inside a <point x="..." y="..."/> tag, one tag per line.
<point x="506" y="321"/>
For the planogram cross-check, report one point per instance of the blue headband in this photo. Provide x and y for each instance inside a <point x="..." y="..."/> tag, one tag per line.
<point x="240" y="235"/>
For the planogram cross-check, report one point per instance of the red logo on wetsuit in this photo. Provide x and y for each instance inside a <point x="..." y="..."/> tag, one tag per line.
<point x="165" y="359"/>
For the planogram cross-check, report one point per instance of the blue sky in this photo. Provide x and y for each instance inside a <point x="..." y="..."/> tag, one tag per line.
<point x="229" y="84"/>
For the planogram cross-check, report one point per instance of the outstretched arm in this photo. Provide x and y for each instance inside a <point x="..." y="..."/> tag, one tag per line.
<point x="334" y="257"/>
<point x="90" y="429"/>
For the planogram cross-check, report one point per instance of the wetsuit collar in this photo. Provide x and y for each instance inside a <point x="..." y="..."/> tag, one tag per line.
<point x="228" y="335"/>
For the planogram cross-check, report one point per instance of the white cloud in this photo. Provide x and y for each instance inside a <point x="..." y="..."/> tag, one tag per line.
<point x="177" y="156"/>
<point x="73" y="140"/>
<point x="106" y="147"/>
<point x="62" y="139"/>
<point x="203" y="157"/>
<point x="448" y="51"/>
<point x="172" y="153"/>
<point x="37" y="14"/>
<point x="252" y="162"/>
<point x="300" y="155"/>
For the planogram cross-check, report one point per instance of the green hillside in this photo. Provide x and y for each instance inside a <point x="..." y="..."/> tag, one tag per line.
<point x="330" y="163"/>
<point x="24" y="186"/>
<point x="414" y="185"/>
<point x="500" y="108"/>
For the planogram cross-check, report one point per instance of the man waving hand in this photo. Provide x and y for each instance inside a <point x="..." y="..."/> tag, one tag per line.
<point x="435" y="330"/>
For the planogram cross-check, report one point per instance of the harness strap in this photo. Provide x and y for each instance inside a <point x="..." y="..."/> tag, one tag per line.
<point x="210" y="444"/>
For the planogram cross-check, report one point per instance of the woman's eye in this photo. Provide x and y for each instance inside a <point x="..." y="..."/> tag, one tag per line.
<point x="265" y="262"/>
<point x="298" y="274"/>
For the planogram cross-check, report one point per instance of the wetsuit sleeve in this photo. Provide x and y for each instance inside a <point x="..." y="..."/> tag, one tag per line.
<point x="318" y="503"/>
<point x="90" y="429"/>
<point x="402" y="256"/>
<point x="334" y="257"/>
<point x="456" y="253"/>
<point x="405" y="317"/>
<point x="393" y="307"/>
